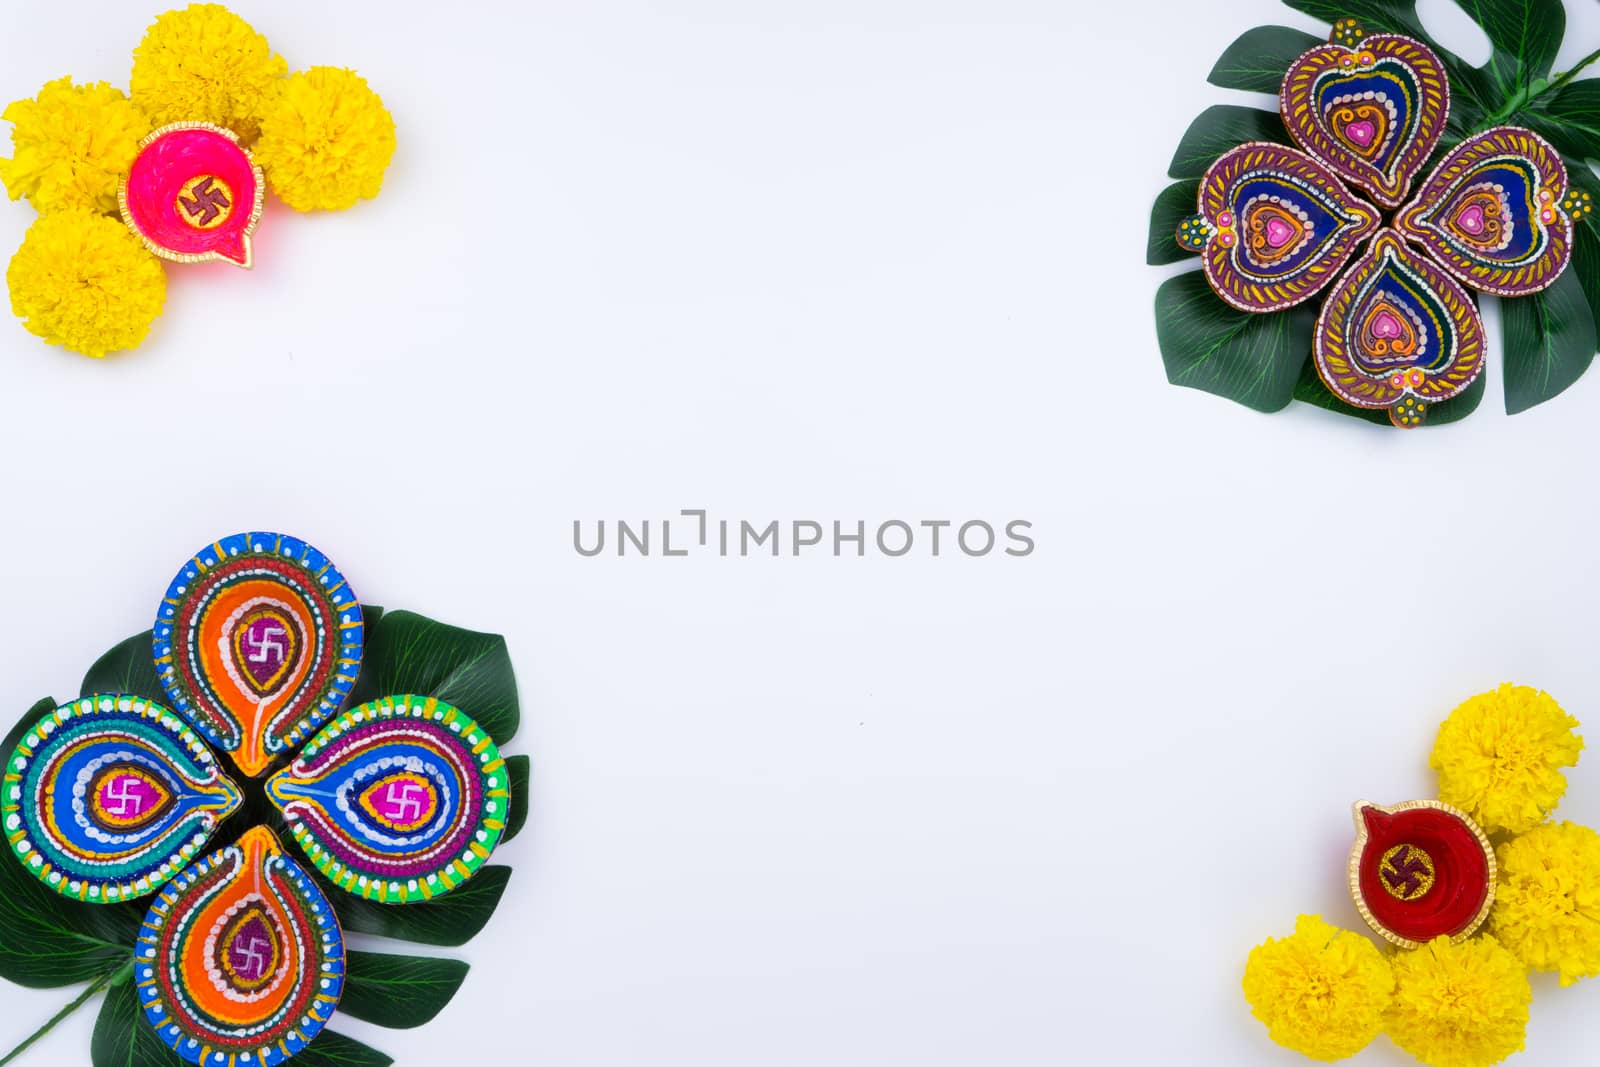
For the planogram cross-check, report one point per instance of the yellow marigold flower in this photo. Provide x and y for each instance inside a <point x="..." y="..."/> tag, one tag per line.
<point x="206" y="64"/>
<point x="71" y="145"/>
<point x="1460" y="1005"/>
<point x="1547" y="904"/>
<point x="81" y="280"/>
<point x="1321" y="991"/>
<point x="327" y="141"/>
<point x="1500" y="754"/>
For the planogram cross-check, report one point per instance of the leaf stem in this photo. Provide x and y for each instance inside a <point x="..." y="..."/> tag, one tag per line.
<point x="1529" y="93"/>
<point x="1569" y="75"/>
<point x="83" y="998"/>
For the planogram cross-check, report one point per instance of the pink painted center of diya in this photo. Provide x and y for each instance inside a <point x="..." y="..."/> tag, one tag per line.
<point x="193" y="192"/>
<point x="265" y="648"/>
<point x="1279" y="233"/>
<point x="127" y="796"/>
<point x="267" y="638"/>
<point x="406" y="802"/>
<point x="251" y="948"/>
<point x="1386" y="325"/>
<point x="1471" y="219"/>
<point x="1361" y="133"/>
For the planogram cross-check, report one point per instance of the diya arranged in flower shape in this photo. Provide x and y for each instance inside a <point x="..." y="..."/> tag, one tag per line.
<point x="182" y="165"/>
<point x="1277" y="226"/>
<point x="259" y="644"/>
<point x="1469" y="892"/>
<point x="1343" y="215"/>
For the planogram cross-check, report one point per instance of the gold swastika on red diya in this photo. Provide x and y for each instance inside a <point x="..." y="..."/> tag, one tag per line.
<point x="1406" y="872"/>
<point x="205" y="202"/>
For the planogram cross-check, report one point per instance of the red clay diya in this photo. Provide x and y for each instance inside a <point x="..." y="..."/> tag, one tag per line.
<point x="1419" y="870"/>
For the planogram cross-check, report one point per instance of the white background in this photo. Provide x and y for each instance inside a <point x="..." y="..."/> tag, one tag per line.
<point x="825" y="260"/>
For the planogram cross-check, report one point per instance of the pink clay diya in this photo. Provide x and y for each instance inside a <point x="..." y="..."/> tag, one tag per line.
<point x="193" y="194"/>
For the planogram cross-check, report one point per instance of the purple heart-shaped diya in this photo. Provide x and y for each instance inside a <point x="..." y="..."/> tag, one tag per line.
<point x="1398" y="333"/>
<point x="1495" y="212"/>
<point x="1373" y="112"/>
<point x="1274" y="226"/>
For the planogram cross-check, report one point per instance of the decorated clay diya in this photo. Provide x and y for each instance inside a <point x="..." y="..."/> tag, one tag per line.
<point x="194" y="194"/>
<point x="257" y="642"/>
<point x="1398" y="330"/>
<point x="108" y="797"/>
<point x="398" y="800"/>
<point x="241" y="960"/>
<point x="1372" y="110"/>
<point x="1420" y="870"/>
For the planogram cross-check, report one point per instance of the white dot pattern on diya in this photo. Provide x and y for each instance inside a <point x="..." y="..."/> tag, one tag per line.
<point x="258" y="640"/>
<point x="399" y="800"/>
<point x="107" y="797"/>
<point x="241" y="958"/>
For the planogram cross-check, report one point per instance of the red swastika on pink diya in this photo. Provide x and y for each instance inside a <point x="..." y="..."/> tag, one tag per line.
<point x="193" y="194"/>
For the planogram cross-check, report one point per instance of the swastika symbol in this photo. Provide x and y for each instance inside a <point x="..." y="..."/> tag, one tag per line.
<point x="206" y="203"/>
<point x="125" y="793"/>
<point x="253" y="955"/>
<point x="267" y="644"/>
<point x="1407" y="872"/>
<point x="404" y="800"/>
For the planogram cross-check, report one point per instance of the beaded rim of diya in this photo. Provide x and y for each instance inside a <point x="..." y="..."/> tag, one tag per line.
<point x="205" y="205"/>
<point x="1435" y="877"/>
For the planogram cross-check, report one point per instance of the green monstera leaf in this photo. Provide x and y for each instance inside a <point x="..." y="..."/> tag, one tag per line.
<point x="47" y="940"/>
<point x="520" y="771"/>
<point x="1219" y="128"/>
<point x="1548" y="339"/>
<point x="1254" y="359"/>
<point x="407" y="653"/>
<point x="1549" y="342"/>
<point x="1586" y="244"/>
<point x="1256" y="61"/>
<point x="1569" y="118"/>
<point x="450" y="920"/>
<point x="126" y="668"/>
<point x="1175" y="204"/>
<point x="399" y="991"/>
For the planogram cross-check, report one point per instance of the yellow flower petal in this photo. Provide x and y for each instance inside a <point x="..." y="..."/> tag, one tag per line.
<point x="327" y="140"/>
<point x="1460" y="1005"/>
<point x="1499" y="757"/>
<point x="206" y="64"/>
<point x="1547" y="903"/>
<point x="81" y="280"/>
<point x="1321" y="992"/>
<point x="72" y="144"/>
